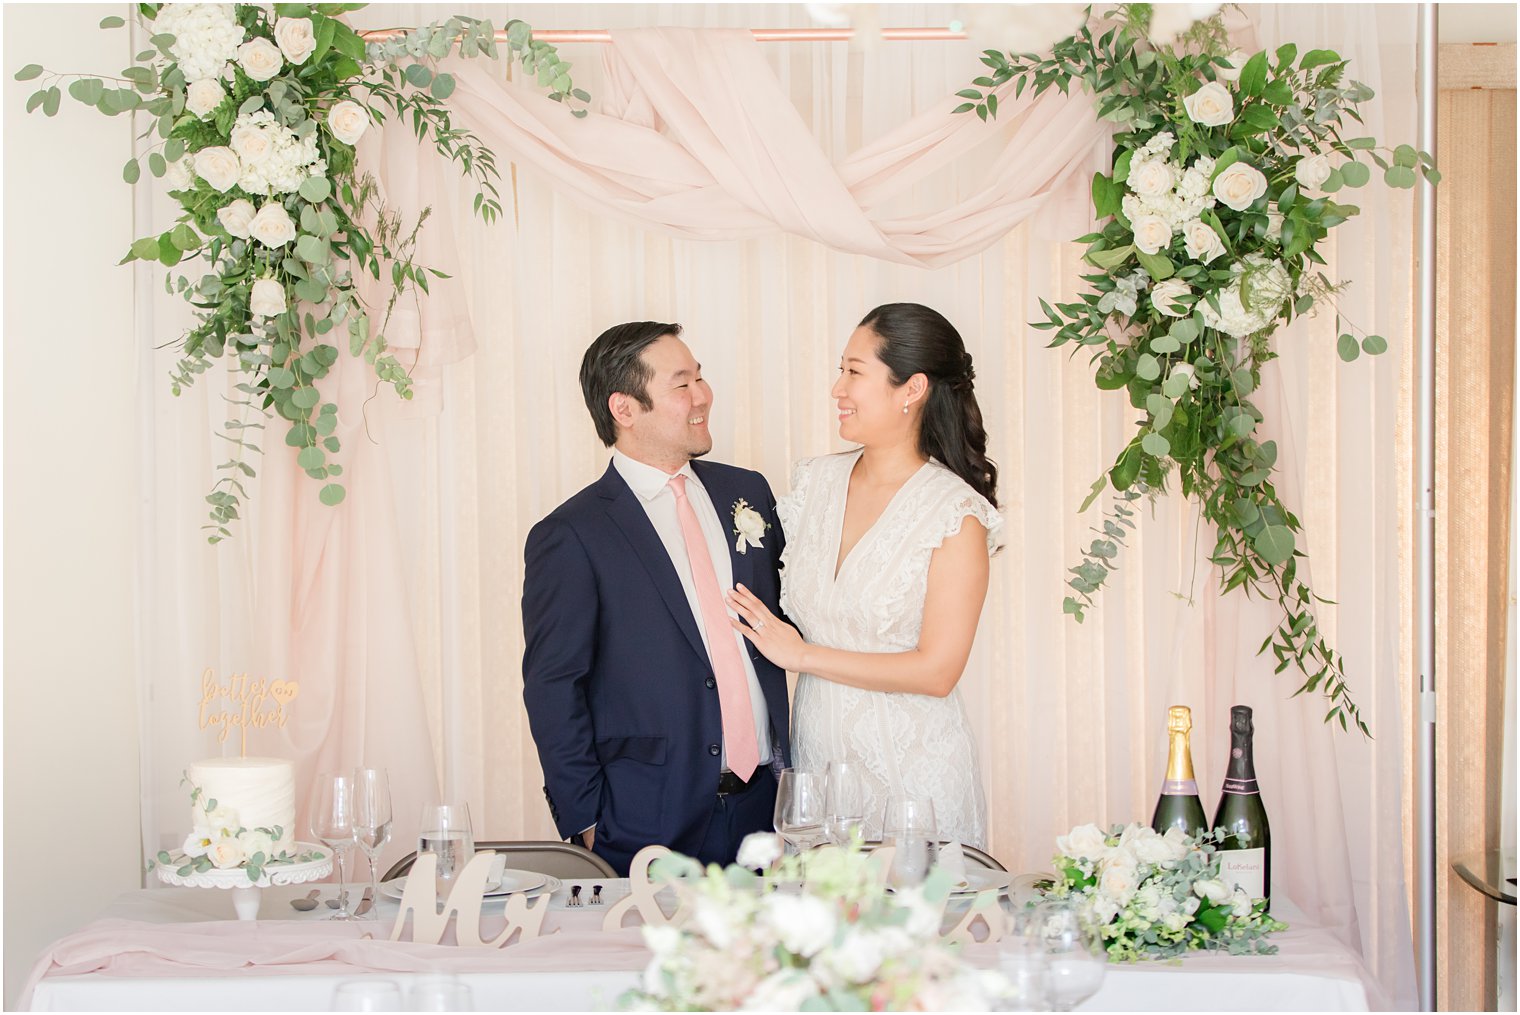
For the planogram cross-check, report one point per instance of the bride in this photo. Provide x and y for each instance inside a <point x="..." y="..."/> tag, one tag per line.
<point x="886" y="569"/>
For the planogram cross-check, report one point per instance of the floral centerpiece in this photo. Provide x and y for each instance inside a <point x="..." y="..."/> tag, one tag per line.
<point x="1226" y="171"/>
<point x="220" y="841"/>
<point x="252" y="115"/>
<point x="839" y="942"/>
<point x="1158" y="896"/>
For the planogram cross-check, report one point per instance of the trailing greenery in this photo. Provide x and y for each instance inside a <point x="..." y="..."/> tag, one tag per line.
<point x="1219" y="195"/>
<point x="253" y="115"/>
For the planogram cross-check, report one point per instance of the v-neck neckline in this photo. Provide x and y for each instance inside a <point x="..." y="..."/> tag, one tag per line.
<point x="844" y="504"/>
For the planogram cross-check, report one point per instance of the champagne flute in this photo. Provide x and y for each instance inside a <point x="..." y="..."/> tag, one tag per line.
<point x="446" y="832"/>
<point x="332" y="822"/>
<point x="799" y="808"/>
<point x="1075" y="958"/>
<point x="844" y="802"/>
<point x="372" y="820"/>
<point x="908" y="825"/>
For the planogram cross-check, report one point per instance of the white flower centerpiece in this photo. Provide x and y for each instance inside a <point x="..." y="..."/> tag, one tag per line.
<point x="819" y="933"/>
<point x="1159" y="896"/>
<point x="253" y="114"/>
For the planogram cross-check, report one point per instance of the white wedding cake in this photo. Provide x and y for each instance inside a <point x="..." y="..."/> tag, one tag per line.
<point x="261" y="790"/>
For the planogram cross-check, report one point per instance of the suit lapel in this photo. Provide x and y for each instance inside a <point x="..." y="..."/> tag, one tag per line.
<point x="625" y="510"/>
<point x="723" y="499"/>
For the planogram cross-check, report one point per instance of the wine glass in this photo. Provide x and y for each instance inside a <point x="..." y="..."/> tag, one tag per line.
<point x="799" y="808"/>
<point x="446" y="832"/>
<point x="440" y="993"/>
<point x="1021" y="960"/>
<point x="844" y="802"/>
<point x="332" y="822"/>
<point x="372" y="820"/>
<point x="908" y="825"/>
<point x="367" y="995"/>
<point x="1075" y="958"/>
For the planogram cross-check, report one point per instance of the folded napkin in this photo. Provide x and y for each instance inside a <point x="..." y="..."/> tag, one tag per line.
<point x="953" y="861"/>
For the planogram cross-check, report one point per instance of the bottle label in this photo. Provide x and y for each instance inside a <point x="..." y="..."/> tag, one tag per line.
<point x="1179" y="787"/>
<point x="1246" y="869"/>
<point x="1241" y="786"/>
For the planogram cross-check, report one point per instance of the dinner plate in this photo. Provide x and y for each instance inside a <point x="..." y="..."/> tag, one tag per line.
<point x="512" y="881"/>
<point x="981" y="879"/>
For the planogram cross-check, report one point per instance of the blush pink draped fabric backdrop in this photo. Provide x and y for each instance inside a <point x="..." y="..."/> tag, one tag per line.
<point x="766" y="197"/>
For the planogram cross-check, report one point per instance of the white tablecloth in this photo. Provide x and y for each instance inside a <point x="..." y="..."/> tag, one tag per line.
<point x="1311" y="972"/>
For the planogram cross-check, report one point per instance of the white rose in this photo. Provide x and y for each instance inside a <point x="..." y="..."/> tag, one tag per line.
<point x="1147" y="902"/>
<point x="1165" y="294"/>
<point x="1083" y="842"/>
<point x="1175" y="838"/>
<point x="1202" y="242"/>
<point x="759" y="850"/>
<point x="272" y="226"/>
<point x="715" y="921"/>
<point x="1274" y="224"/>
<point x="1240" y="905"/>
<point x="225" y="853"/>
<point x="259" y="59"/>
<point x="1118" y="883"/>
<point x="1185" y="370"/>
<point x="219" y="167"/>
<point x="1212" y="105"/>
<point x="1175" y="922"/>
<point x="197" y="843"/>
<point x="295" y="38"/>
<point x="201" y="97"/>
<point x="1237" y="58"/>
<point x="236" y="217"/>
<point x="1239" y="185"/>
<point x="1153" y="849"/>
<point x="1213" y="889"/>
<point x="254" y="841"/>
<point x="221" y="821"/>
<point x="857" y="958"/>
<point x="1152" y="233"/>
<point x="1170" y="20"/>
<point x="252" y="143"/>
<point x="179" y="175"/>
<point x="784" y="990"/>
<point x="1104" y="910"/>
<point x="661" y="940"/>
<point x="1151" y="177"/>
<point x="267" y="298"/>
<point x="348" y="121"/>
<point x="804" y="924"/>
<point x="1312" y="172"/>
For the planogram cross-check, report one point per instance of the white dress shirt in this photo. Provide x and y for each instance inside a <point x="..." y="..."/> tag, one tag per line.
<point x="652" y="486"/>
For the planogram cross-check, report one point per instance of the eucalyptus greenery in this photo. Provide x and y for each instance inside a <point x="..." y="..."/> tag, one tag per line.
<point x="1211" y="215"/>
<point x="315" y="70"/>
<point x="254" y="864"/>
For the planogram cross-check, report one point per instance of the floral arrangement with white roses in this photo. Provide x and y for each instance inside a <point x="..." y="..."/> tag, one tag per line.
<point x="819" y="932"/>
<point x="1225" y="167"/>
<point x="219" y="841"/>
<point x="1159" y="896"/>
<point x="252" y="116"/>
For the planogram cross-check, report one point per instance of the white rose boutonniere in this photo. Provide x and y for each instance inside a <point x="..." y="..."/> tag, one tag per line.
<point x="749" y="527"/>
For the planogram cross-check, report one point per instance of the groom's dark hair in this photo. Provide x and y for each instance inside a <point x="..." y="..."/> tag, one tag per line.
<point x="615" y="365"/>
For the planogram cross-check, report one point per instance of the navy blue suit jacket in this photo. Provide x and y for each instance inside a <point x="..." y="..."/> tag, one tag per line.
<point x="619" y="690"/>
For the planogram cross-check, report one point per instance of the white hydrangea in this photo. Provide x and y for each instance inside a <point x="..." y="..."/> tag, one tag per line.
<point x="206" y="37"/>
<point x="1187" y="194"/>
<point x="288" y="161"/>
<point x="1270" y="287"/>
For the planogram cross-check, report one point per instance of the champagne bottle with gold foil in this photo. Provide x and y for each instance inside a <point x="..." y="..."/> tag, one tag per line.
<point x="1245" y="855"/>
<point x="1179" y="806"/>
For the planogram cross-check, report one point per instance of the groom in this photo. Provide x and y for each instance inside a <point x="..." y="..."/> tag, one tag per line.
<point x="655" y="721"/>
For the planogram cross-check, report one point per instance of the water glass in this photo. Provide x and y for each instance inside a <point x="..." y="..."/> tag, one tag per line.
<point x="844" y="802"/>
<point x="440" y="993"/>
<point x="447" y="833"/>
<point x="1021" y="960"/>
<point x="800" y="808"/>
<point x="1075" y="958"/>
<point x="908" y="825"/>
<point x="367" y="995"/>
<point x="372" y="821"/>
<point x="332" y="822"/>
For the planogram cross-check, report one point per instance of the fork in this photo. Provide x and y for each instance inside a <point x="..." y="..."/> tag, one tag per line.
<point x="575" y="895"/>
<point x="596" y="895"/>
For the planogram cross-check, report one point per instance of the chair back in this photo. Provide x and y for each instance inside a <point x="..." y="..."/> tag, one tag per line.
<point x="557" y="859"/>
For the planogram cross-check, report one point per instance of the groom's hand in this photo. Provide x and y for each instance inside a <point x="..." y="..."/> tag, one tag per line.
<point x="588" y="837"/>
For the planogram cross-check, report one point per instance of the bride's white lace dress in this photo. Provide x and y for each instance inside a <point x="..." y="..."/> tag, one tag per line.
<point x="906" y="743"/>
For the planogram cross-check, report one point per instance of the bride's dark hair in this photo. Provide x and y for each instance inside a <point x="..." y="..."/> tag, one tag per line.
<point x="918" y="340"/>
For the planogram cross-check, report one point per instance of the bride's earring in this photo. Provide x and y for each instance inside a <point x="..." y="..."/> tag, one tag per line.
<point x="905" y="408"/>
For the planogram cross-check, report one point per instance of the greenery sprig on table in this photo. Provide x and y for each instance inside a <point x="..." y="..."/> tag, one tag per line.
<point x="252" y="116"/>
<point x="1220" y="193"/>
<point x="219" y="841"/>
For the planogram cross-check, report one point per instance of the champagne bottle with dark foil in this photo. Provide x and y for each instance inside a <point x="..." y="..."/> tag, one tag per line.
<point x="1179" y="806"/>
<point x="1245" y="855"/>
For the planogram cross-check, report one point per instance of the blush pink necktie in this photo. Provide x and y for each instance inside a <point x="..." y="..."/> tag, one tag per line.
<point x="728" y="668"/>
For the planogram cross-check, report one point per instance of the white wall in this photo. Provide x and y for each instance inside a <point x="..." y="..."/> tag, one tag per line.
<point x="1476" y="22"/>
<point x="71" y="494"/>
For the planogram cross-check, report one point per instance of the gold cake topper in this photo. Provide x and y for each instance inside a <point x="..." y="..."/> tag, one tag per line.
<point x="244" y="701"/>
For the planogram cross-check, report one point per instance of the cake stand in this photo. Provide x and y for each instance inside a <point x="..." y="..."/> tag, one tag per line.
<point x="245" y="893"/>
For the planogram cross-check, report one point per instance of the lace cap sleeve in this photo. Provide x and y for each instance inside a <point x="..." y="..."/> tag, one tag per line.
<point x="789" y="507"/>
<point x="960" y="503"/>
